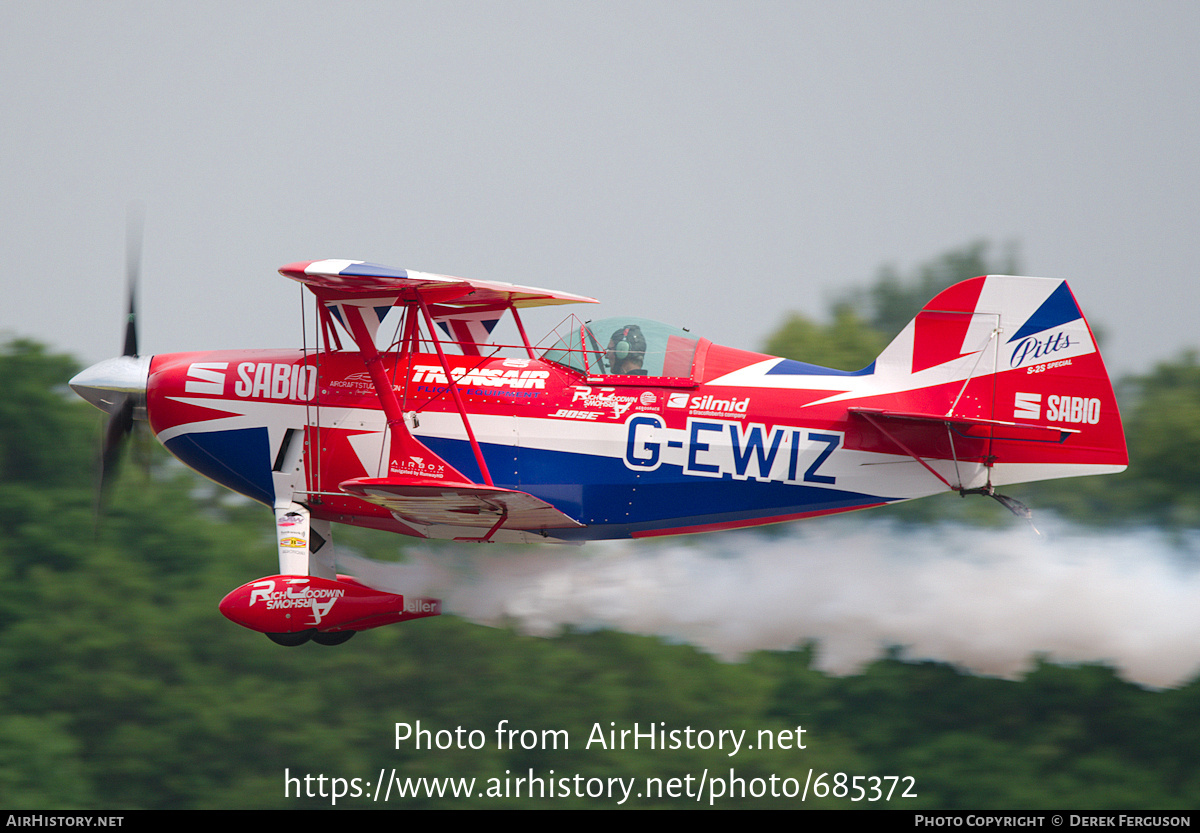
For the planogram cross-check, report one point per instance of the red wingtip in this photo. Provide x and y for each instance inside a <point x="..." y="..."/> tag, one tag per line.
<point x="295" y="270"/>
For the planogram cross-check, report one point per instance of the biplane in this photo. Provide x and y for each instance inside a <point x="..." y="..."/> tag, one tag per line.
<point x="615" y="428"/>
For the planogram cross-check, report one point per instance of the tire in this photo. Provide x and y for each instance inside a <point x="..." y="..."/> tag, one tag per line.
<point x="291" y="640"/>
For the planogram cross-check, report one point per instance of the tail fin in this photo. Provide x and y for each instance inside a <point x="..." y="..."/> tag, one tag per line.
<point x="1002" y="375"/>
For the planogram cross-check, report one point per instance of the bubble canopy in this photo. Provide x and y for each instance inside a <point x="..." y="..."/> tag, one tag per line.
<point x="625" y="346"/>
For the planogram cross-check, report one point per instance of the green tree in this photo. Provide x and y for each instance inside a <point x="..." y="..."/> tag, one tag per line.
<point x="893" y="299"/>
<point x="1163" y="431"/>
<point x="863" y="321"/>
<point x="846" y="343"/>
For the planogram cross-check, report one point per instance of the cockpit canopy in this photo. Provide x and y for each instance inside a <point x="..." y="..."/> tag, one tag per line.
<point x="625" y="346"/>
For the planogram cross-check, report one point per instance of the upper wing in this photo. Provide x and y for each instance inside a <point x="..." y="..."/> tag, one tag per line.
<point x="347" y="280"/>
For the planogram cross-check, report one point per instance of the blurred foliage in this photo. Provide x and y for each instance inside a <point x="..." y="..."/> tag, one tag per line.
<point x="124" y="688"/>
<point x="1161" y="411"/>
<point x="893" y="299"/>
<point x="846" y="343"/>
<point x="863" y="321"/>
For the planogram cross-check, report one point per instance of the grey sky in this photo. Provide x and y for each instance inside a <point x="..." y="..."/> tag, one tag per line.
<point x="711" y="165"/>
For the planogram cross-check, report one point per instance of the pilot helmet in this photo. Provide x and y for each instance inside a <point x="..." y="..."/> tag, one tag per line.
<point x="628" y="341"/>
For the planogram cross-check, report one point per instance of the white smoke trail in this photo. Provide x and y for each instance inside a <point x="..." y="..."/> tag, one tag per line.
<point x="986" y="600"/>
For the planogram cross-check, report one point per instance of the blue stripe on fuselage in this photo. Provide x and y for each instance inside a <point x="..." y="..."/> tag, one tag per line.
<point x="616" y="502"/>
<point x="791" y="367"/>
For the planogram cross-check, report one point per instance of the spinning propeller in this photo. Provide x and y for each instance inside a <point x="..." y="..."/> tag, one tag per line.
<point x="118" y="385"/>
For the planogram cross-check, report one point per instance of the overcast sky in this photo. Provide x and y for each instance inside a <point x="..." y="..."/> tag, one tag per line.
<point x="711" y="165"/>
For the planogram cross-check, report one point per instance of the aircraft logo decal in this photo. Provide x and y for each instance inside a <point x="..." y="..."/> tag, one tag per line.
<point x="1028" y="406"/>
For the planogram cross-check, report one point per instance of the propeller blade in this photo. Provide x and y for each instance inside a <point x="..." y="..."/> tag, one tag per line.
<point x="117" y="385"/>
<point x="118" y="427"/>
<point x="134" y="223"/>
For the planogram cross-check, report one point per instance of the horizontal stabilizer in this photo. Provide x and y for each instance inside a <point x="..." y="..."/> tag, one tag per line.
<point x="978" y="427"/>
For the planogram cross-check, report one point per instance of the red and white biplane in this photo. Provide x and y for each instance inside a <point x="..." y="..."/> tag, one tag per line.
<point x="620" y="428"/>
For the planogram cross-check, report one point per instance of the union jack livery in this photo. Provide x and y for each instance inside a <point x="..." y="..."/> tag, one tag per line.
<point x="618" y="428"/>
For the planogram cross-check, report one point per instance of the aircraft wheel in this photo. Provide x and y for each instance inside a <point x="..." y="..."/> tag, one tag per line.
<point x="291" y="640"/>
<point x="336" y="638"/>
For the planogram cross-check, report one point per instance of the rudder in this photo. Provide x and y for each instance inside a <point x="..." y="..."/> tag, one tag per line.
<point x="1003" y="371"/>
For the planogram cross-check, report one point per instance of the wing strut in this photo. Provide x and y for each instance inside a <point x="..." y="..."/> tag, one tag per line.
<point x="462" y="410"/>
<point x="404" y="444"/>
<point x="521" y="329"/>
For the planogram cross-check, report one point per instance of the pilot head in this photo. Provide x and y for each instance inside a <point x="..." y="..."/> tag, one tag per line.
<point x="626" y="351"/>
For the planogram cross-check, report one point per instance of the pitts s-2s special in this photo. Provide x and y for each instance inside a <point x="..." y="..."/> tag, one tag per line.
<point x="620" y="428"/>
